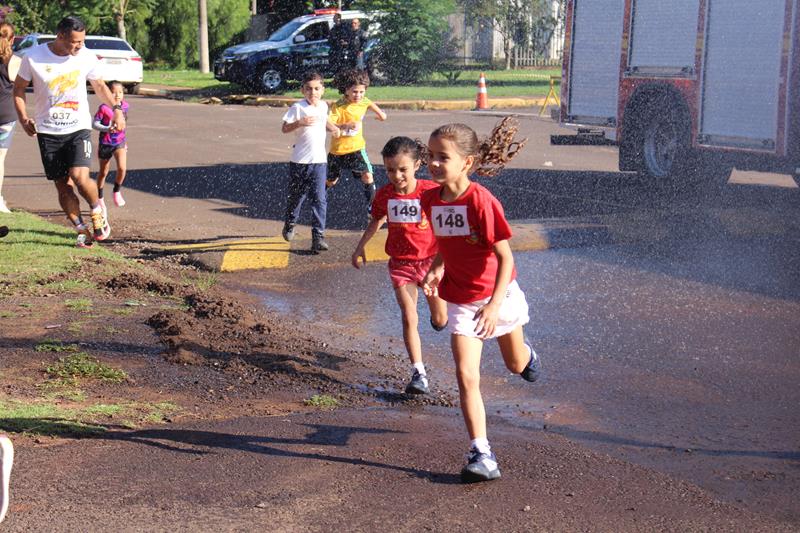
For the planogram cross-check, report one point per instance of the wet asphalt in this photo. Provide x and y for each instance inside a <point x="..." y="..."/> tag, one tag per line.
<point x="667" y="316"/>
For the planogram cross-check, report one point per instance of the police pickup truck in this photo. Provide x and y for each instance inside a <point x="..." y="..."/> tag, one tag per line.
<point x="297" y="46"/>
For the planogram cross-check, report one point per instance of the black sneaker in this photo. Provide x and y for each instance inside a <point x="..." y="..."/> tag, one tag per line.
<point x="288" y="232"/>
<point x="438" y="328"/>
<point x="319" y="245"/>
<point x="533" y="371"/>
<point x="480" y="467"/>
<point x="418" y="383"/>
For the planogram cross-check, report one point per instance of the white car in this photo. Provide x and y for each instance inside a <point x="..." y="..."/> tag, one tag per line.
<point x="120" y="62"/>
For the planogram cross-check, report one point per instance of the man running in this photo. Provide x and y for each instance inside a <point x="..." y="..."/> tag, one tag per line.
<point x="62" y="121"/>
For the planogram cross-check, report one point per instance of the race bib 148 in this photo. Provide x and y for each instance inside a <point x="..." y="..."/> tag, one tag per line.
<point x="449" y="220"/>
<point x="404" y="211"/>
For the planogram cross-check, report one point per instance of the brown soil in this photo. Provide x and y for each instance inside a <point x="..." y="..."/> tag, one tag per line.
<point x="245" y="452"/>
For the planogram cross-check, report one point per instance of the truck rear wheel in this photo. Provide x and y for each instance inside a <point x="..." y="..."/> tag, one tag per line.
<point x="664" y="144"/>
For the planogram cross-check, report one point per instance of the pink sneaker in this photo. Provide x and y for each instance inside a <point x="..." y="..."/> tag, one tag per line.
<point x="6" y="462"/>
<point x="119" y="201"/>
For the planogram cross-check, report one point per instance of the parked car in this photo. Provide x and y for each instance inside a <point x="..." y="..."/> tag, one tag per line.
<point x="297" y="46"/>
<point x="119" y="61"/>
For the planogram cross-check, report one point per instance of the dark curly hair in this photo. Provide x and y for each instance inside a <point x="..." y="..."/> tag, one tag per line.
<point x="345" y="79"/>
<point x="406" y="145"/>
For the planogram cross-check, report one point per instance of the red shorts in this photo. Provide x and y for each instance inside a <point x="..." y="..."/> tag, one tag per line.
<point x="405" y="271"/>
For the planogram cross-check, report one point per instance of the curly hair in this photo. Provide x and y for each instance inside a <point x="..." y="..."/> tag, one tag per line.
<point x="6" y="36"/>
<point x="491" y="154"/>
<point x="345" y="79"/>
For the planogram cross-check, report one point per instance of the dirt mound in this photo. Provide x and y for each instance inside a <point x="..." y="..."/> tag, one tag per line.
<point x="139" y="281"/>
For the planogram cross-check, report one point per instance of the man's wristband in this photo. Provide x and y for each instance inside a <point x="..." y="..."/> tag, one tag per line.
<point x="116" y="106"/>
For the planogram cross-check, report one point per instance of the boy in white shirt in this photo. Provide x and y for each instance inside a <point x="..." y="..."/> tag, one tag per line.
<point x="308" y="168"/>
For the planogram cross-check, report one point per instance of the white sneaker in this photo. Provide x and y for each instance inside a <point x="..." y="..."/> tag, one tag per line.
<point x="6" y="462"/>
<point x="3" y="207"/>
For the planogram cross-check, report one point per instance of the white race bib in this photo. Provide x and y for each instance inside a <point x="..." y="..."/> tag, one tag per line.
<point x="404" y="211"/>
<point x="449" y="220"/>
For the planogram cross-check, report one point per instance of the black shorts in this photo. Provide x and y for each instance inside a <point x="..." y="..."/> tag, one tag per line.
<point x="106" y="151"/>
<point x="63" y="152"/>
<point x="355" y="162"/>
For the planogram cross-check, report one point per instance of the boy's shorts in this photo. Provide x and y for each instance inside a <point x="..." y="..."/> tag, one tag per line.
<point x="402" y="272"/>
<point x="106" y="151"/>
<point x="513" y="313"/>
<point x="6" y="134"/>
<point x="356" y="162"/>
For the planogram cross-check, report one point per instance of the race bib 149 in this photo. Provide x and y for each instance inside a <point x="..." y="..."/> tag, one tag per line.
<point x="449" y="220"/>
<point x="404" y="211"/>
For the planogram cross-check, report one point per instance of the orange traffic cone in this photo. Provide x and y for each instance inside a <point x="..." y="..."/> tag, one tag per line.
<point x="482" y="100"/>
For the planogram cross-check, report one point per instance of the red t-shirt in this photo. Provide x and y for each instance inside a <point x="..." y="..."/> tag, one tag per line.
<point x="410" y="236"/>
<point x="466" y="230"/>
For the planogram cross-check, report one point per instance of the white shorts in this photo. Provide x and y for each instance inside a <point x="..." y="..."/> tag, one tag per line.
<point x="513" y="313"/>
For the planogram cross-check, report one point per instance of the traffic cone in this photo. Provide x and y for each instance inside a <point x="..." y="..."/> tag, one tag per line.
<point x="482" y="100"/>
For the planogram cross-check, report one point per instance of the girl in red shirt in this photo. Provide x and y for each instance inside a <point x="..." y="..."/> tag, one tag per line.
<point x="410" y="246"/>
<point x="474" y="272"/>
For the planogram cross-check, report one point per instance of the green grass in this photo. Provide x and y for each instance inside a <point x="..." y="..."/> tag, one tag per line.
<point x="322" y="401"/>
<point x="49" y="345"/>
<point x="8" y="314"/>
<point x="82" y="365"/>
<point x="69" y="285"/>
<point x="47" y="417"/>
<point x="500" y="83"/>
<point x="78" y="304"/>
<point x="35" y="249"/>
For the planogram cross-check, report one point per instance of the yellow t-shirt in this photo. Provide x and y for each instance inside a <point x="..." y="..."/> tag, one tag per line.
<point x="343" y="112"/>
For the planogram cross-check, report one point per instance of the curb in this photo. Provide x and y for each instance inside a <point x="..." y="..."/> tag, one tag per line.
<point x="407" y="105"/>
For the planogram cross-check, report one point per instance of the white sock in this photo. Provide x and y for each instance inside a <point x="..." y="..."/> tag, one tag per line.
<point x="97" y="208"/>
<point x="481" y="444"/>
<point x="419" y="367"/>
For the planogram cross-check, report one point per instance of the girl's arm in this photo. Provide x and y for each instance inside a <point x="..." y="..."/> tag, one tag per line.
<point x="381" y="115"/>
<point x="98" y="124"/>
<point x="431" y="280"/>
<point x="372" y="229"/>
<point x="333" y="129"/>
<point x="487" y="315"/>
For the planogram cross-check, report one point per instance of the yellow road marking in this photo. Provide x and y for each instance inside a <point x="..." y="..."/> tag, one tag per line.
<point x="376" y="247"/>
<point x="271" y="252"/>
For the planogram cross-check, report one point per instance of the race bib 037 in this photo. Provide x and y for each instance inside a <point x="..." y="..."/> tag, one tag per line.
<point x="404" y="211"/>
<point x="449" y="220"/>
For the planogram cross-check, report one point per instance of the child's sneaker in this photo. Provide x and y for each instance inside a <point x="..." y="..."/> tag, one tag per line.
<point x="102" y="230"/>
<point x="119" y="201"/>
<point x="418" y="383"/>
<point x="480" y="467"/>
<point x="6" y="462"/>
<point x="102" y="203"/>
<point x="288" y="232"/>
<point x="318" y="244"/>
<point x="533" y="371"/>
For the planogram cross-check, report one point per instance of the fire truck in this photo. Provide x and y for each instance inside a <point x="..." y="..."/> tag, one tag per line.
<point x="672" y="80"/>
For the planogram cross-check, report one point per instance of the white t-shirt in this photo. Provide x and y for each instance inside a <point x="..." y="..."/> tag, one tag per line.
<point x="309" y="146"/>
<point x="59" y="88"/>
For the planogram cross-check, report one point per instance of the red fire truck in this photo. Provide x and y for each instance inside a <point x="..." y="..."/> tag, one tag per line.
<point x="669" y="80"/>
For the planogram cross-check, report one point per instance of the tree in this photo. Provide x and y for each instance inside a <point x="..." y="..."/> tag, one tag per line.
<point x="121" y="9"/>
<point x="519" y="22"/>
<point x="414" y="36"/>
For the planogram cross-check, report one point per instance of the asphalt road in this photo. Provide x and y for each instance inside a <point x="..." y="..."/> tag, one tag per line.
<point x="668" y="318"/>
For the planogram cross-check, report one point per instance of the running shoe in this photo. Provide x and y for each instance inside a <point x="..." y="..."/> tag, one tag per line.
<point x="418" y="383"/>
<point x="288" y="232"/>
<point x="3" y="231"/>
<point x="319" y="245"/>
<point x="84" y="241"/>
<point x="3" y="207"/>
<point x="102" y="230"/>
<point x="480" y="467"/>
<point x="438" y="328"/>
<point x="533" y="370"/>
<point x="119" y="201"/>
<point x="6" y="462"/>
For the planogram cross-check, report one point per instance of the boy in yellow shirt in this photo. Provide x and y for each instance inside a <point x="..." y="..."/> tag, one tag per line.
<point x="348" y="151"/>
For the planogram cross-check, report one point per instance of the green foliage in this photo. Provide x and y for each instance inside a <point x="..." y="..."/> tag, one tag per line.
<point x="82" y="365"/>
<point x="322" y="401"/>
<point x="413" y="38"/>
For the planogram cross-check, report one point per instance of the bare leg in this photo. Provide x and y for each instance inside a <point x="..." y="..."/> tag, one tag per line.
<point x="438" y="309"/>
<point x="102" y="174"/>
<point x="407" y="299"/>
<point x="121" y="157"/>
<point x="467" y="356"/>
<point x="516" y="354"/>
<point x="3" y="152"/>
<point x="68" y="200"/>
<point x="86" y="186"/>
